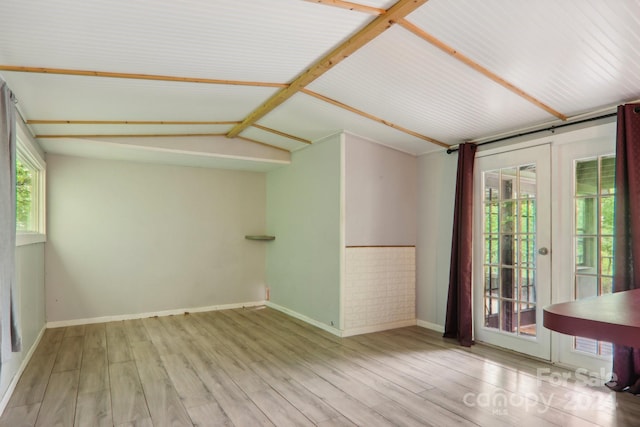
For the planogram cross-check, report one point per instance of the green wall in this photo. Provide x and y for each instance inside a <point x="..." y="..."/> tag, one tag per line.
<point x="304" y="213"/>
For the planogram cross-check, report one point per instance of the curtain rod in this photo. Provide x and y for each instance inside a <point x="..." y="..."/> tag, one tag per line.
<point x="550" y="128"/>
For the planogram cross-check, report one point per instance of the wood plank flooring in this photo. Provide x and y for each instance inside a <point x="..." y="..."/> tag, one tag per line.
<point x="259" y="367"/>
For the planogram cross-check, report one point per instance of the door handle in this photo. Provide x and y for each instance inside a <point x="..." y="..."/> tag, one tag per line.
<point x="543" y="251"/>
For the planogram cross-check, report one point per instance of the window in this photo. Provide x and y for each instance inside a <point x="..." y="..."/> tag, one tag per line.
<point x="30" y="189"/>
<point x="26" y="197"/>
<point x="593" y="236"/>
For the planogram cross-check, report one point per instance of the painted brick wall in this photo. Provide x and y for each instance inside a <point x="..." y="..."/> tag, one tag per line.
<point x="379" y="286"/>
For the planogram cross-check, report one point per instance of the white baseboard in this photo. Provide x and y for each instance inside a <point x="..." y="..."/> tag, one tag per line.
<point x="429" y="325"/>
<point x="378" y="328"/>
<point x="12" y="385"/>
<point x="74" y="322"/>
<point x="339" y="332"/>
<point x="330" y="329"/>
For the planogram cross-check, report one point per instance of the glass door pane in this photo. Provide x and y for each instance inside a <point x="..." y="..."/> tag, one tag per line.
<point x="509" y="238"/>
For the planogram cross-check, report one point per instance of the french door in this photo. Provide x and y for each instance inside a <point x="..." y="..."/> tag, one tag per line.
<point x="512" y="249"/>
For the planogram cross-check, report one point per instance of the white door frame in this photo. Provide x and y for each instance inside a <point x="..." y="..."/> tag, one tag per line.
<point x="540" y="345"/>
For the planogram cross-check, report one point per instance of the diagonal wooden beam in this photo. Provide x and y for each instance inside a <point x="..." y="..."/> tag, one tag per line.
<point x="477" y="67"/>
<point x="376" y="27"/>
<point x="129" y="122"/>
<point x="277" y="132"/>
<point x="126" y="135"/>
<point x="255" y="141"/>
<point x="374" y="118"/>
<point x="90" y="73"/>
<point x="351" y="6"/>
<point x="157" y="122"/>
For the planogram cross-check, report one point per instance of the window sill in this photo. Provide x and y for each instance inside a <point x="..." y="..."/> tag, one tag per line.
<point x="23" y="239"/>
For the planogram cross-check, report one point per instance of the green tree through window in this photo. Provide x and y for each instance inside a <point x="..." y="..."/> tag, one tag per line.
<point x="24" y="192"/>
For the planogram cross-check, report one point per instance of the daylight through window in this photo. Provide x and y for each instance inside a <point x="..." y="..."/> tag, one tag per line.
<point x="593" y="236"/>
<point x="26" y="220"/>
<point x="30" y="187"/>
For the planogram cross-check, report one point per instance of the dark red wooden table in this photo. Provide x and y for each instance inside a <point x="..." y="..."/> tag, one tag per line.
<point x="613" y="317"/>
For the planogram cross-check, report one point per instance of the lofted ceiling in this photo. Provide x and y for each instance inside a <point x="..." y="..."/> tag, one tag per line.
<point x="415" y="75"/>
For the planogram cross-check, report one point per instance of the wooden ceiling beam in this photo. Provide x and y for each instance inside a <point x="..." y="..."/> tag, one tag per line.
<point x="134" y="76"/>
<point x="160" y="122"/>
<point x="351" y="6"/>
<point x="374" y="118"/>
<point x="376" y="27"/>
<point x="128" y="122"/>
<point x="255" y="141"/>
<point x="477" y="67"/>
<point x="127" y="135"/>
<point x="277" y="132"/>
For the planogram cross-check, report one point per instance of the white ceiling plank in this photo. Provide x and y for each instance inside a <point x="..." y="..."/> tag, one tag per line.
<point x="574" y="55"/>
<point x="43" y="96"/>
<point x="272" y="40"/>
<point x="421" y="88"/>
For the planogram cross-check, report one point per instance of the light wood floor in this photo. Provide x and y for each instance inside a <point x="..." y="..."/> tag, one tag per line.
<point x="252" y="367"/>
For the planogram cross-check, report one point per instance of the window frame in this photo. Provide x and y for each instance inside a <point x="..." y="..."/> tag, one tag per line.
<point x="31" y="157"/>
<point x="602" y="349"/>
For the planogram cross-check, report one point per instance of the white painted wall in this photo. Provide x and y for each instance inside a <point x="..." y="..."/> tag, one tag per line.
<point x="380" y="194"/>
<point x="127" y="238"/>
<point x="304" y="213"/>
<point x="30" y="279"/>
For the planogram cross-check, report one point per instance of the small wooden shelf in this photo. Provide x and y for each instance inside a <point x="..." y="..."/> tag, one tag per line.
<point x="260" y="237"/>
